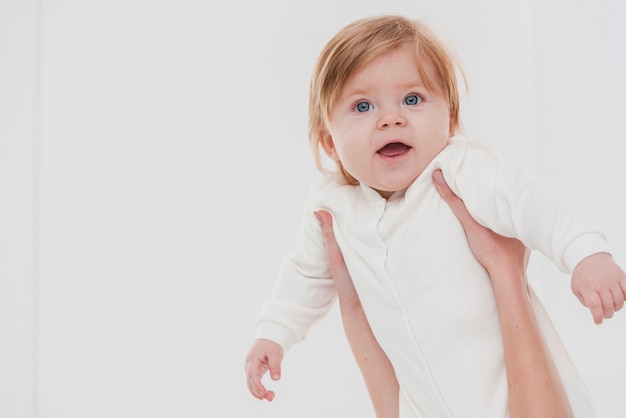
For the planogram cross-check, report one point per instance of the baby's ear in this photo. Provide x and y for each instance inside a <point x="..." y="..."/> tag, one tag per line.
<point x="452" y="128"/>
<point x="328" y="145"/>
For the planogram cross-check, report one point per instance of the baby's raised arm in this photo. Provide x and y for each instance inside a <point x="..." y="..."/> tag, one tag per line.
<point x="535" y="389"/>
<point x="513" y="204"/>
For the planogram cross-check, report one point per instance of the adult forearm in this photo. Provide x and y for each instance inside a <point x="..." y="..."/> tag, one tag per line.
<point x="535" y="388"/>
<point x="378" y="374"/>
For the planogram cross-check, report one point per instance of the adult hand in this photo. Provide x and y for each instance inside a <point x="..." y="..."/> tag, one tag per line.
<point x="490" y="249"/>
<point x="336" y="264"/>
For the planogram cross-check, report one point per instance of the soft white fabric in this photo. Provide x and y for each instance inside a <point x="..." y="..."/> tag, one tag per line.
<point x="429" y="302"/>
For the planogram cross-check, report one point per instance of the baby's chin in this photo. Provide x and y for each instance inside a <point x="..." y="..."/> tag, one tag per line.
<point x="397" y="188"/>
<point x="388" y="192"/>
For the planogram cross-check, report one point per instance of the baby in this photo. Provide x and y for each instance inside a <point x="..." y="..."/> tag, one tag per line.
<point x="384" y="105"/>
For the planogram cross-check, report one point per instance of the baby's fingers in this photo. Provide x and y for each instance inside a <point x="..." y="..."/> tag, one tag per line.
<point x="608" y="304"/>
<point x="620" y="294"/>
<point x="594" y="303"/>
<point x="254" y="372"/>
<point x="274" y="367"/>
<point x="618" y="298"/>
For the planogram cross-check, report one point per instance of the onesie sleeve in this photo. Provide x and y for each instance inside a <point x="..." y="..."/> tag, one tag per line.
<point x="503" y="198"/>
<point x="304" y="291"/>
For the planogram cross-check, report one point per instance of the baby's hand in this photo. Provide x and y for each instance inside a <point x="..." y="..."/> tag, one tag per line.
<point x="263" y="356"/>
<point x="600" y="284"/>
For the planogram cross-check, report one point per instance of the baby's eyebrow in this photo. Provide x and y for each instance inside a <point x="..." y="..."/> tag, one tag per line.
<point x="364" y="91"/>
<point x="355" y="92"/>
<point x="415" y="84"/>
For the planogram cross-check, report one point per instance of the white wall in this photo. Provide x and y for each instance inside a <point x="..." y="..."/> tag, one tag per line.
<point x="19" y="112"/>
<point x="159" y="162"/>
<point x="580" y="75"/>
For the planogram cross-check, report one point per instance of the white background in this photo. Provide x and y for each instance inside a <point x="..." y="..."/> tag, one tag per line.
<point x="153" y="167"/>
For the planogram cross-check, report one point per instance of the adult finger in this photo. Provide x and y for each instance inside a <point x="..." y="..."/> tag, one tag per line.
<point x="336" y="263"/>
<point x="348" y="297"/>
<point x="454" y="202"/>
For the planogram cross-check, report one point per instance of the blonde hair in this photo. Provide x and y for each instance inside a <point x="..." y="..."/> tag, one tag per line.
<point x="361" y="42"/>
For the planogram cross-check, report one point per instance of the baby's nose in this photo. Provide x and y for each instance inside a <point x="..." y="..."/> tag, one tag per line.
<point x="391" y="118"/>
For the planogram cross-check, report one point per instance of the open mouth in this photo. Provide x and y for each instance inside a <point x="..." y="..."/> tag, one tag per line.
<point x="393" y="149"/>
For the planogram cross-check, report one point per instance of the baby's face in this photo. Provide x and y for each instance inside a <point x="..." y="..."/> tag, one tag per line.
<point x="386" y="127"/>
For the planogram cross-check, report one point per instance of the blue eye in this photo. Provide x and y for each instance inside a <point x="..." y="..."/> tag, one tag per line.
<point x="362" y="107"/>
<point x="412" y="100"/>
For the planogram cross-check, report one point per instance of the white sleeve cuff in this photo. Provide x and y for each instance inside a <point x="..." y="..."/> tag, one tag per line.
<point x="582" y="247"/>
